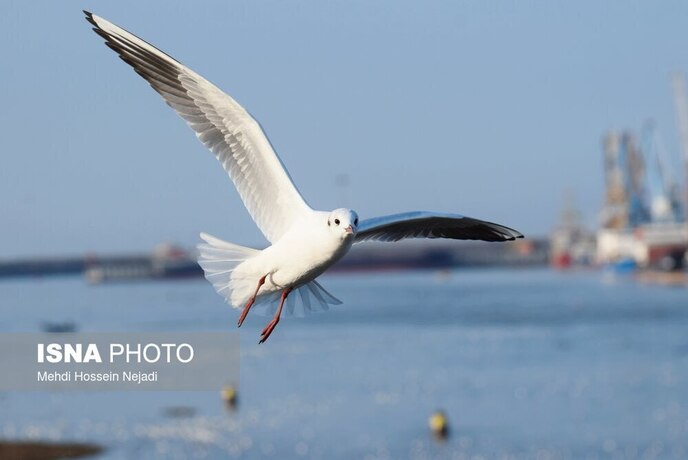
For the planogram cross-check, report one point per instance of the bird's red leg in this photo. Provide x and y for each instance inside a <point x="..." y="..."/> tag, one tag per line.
<point x="271" y="325"/>
<point x="249" y="304"/>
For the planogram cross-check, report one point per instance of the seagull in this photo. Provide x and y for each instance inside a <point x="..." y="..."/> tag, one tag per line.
<point x="304" y="242"/>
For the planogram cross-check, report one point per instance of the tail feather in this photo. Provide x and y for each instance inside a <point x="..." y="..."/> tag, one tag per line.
<point x="328" y="298"/>
<point x="218" y="259"/>
<point x="311" y="297"/>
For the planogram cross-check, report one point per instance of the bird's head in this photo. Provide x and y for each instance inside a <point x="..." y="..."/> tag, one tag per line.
<point x="343" y="223"/>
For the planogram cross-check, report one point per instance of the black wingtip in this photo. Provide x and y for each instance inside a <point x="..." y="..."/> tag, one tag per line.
<point x="89" y="17"/>
<point x="516" y="235"/>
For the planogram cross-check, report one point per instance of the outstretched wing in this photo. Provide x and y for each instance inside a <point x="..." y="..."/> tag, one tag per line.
<point x="423" y="224"/>
<point x="228" y="130"/>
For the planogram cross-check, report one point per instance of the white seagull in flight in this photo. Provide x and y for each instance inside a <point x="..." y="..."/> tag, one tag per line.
<point x="304" y="242"/>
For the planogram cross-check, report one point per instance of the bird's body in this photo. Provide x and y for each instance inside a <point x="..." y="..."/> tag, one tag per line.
<point x="304" y="242"/>
<point x="306" y="251"/>
<point x="303" y="254"/>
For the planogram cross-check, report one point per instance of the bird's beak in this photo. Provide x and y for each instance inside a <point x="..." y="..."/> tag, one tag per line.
<point x="349" y="229"/>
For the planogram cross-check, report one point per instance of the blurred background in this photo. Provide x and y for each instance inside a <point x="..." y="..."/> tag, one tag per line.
<point x="568" y="122"/>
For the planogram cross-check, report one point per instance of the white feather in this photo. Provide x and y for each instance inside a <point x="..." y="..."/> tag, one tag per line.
<point x="223" y="126"/>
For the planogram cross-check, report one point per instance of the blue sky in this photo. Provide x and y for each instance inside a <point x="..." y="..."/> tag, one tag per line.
<point x="490" y="109"/>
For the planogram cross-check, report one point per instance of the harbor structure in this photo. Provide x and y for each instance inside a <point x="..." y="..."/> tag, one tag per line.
<point x="642" y="222"/>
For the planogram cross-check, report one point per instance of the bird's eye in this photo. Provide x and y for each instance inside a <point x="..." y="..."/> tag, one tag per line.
<point x="356" y="221"/>
<point x="336" y="221"/>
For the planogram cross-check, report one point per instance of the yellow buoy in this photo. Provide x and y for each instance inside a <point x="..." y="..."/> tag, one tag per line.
<point x="229" y="396"/>
<point x="439" y="425"/>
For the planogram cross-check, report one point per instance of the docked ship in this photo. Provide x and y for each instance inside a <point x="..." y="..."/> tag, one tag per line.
<point x="643" y="218"/>
<point x="571" y="243"/>
<point x="166" y="261"/>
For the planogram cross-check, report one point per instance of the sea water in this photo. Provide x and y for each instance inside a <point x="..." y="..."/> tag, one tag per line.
<point x="525" y="363"/>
